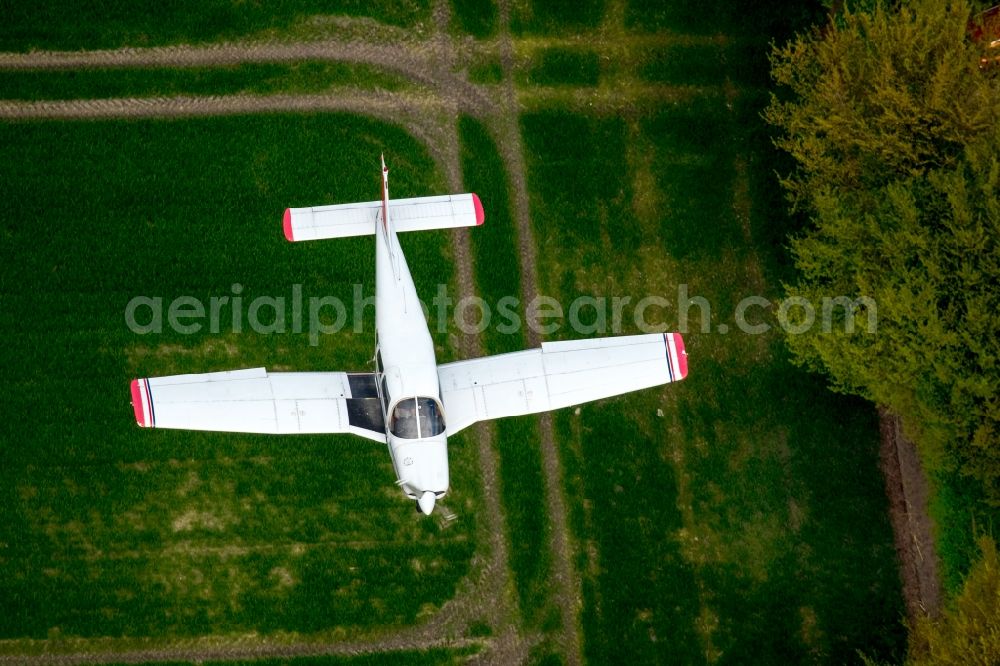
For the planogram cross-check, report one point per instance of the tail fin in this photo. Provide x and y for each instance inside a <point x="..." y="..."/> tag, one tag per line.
<point x="385" y="199"/>
<point x="388" y="231"/>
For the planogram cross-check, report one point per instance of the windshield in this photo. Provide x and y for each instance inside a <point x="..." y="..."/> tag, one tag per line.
<point x="416" y="418"/>
<point x="431" y="420"/>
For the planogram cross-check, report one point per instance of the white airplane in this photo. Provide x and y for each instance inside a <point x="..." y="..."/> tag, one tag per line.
<point x="409" y="402"/>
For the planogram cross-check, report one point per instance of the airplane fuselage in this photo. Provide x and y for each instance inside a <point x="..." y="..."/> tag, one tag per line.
<point x="406" y="373"/>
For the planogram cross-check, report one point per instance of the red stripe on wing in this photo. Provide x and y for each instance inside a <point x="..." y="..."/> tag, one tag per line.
<point x="682" y="359"/>
<point x="480" y="215"/>
<point x="137" y="404"/>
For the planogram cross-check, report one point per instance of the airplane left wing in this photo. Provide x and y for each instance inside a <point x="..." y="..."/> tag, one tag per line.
<point x="257" y="401"/>
<point x="558" y="375"/>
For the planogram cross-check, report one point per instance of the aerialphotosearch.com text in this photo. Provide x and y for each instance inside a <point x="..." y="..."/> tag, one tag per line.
<point x="317" y="316"/>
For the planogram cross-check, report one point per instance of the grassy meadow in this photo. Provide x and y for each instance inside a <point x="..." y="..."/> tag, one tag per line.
<point x="104" y="24"/>
<point x="477" y="18"/>
<point x="737" y="517"/>
<point x="109" y="530"/>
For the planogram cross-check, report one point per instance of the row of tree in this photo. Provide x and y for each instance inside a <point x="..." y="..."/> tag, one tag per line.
<point x="896" y="133"/>
<point x="894" y="126"/>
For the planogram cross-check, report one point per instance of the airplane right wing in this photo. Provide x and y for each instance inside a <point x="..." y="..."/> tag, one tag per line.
<point x="558" y="375"/>
<point x="358" y="219"/>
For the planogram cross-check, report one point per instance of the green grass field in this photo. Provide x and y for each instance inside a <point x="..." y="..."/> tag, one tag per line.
<point x="432" y="657"/>
<point x="738" y="517"/>
<point x="739" y="514"/>
<point x="559" y="66"/>
<point x="474" y="17"/>
<point x="556" y="16"/>
<point x="97" y="24"/>
<point x="109" y="530"/>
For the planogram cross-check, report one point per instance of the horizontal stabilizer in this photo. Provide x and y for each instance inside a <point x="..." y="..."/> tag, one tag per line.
<point x="359" y="219"/>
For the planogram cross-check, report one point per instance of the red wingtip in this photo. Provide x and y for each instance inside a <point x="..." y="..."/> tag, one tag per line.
<point x="288" y="224"/>
<point x="137" y="403"/>
<point x="480" y="215"/>
<point x="682" y="359"/>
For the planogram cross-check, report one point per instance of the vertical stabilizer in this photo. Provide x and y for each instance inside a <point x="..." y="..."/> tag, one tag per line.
<point x="388" y="232"/>
<point x="385" y="197"/>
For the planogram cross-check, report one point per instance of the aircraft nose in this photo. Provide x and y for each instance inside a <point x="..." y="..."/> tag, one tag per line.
<point x="426" y="503"/>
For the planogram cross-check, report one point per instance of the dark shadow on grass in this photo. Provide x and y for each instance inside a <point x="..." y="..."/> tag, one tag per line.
<point x="822" y="582"/>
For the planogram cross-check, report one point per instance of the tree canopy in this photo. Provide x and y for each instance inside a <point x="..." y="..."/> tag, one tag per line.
<point x="968" y="632"/>
<point x="895" y="131"/>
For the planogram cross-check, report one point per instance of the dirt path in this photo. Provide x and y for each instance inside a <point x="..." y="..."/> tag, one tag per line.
<point x="506" y="127"/>
<point x="420" y="113"/>
<point x="257" y="649"/>
<point x="912" y="528"/>
<point x="492" y="594"/>
<point x="417" y="61"/>
<point x="403" y="106"/>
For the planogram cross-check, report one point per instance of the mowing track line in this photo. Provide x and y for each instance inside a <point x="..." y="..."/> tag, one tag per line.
<point x="567" y="584"/>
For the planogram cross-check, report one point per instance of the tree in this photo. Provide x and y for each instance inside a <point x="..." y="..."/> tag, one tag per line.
<point x="968" y="632"/>
<point x="896" y="134"/>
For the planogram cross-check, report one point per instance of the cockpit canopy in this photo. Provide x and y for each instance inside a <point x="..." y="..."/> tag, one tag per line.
<point x="416" y="418"/>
